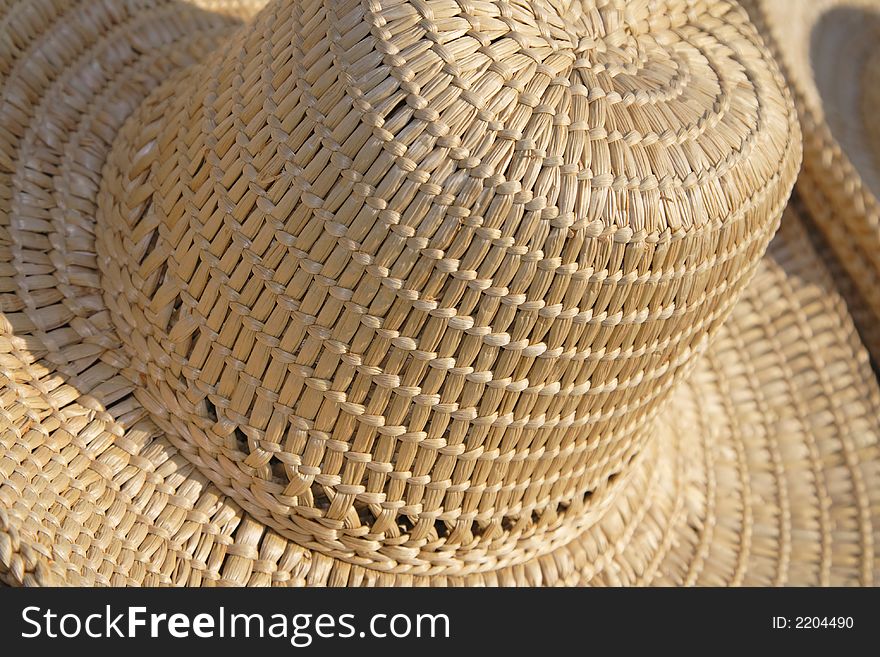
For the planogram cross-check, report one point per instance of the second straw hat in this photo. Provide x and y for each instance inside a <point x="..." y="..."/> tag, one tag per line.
<point x="829" y="52"/>
<point x="416" y="292"/>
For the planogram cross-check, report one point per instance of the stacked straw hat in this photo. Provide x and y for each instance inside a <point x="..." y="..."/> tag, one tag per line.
<point x="829" y="51"/>
<point x="399" y="292"/>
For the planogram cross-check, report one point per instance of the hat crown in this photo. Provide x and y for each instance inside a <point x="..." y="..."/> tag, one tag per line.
<point x="409" y="280"/>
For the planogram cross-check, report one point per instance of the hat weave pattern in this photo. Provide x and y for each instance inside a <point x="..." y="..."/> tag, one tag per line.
<point x="290" y="214"/>
<point x="828" y="51"/>
<point x="70" y="76"/>
<point x="409" y="281"/>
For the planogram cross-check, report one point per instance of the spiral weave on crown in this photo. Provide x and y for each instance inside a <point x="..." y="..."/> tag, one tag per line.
<point x="409" y="280"/>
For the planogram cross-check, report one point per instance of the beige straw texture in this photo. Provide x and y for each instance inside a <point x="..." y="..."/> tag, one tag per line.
<point x="864" y="318"/>
<point x="412" y="292"/>
<point x="828" y="49"/>
<point x="419" y="318"/>
<point x="241" y="9"/>
<point x="789" y="410"/>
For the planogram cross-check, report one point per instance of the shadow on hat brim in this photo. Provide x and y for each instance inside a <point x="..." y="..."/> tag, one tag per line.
<point x="763" y="470"/>
<point x="828" y="51"/>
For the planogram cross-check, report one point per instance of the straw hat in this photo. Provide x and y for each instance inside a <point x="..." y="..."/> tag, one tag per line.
<point x="416" y="292"/>
<point x="828" y="49"/>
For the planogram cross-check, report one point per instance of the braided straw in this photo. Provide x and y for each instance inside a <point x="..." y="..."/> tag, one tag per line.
<point x="410" y="284"/>
<point x="411" y="293"/>
<point x="828" y="50"/>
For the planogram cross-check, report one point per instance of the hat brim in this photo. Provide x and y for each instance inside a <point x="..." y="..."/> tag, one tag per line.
<point x="763" y="469"/>
<point x="827" y="49"/>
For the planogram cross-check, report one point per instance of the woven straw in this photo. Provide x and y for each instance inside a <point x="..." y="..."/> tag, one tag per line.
<point x="828" y="50"/>
<point x="413" y="293"/>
